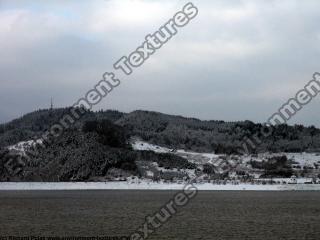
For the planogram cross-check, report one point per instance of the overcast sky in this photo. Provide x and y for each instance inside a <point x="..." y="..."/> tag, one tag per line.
<point x="236" y="60"/>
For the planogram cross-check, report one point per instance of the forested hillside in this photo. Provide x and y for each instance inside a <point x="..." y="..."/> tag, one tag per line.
<point x="173" y="131"/>
<point x="100" y="149"/>
<point x="98" y="146"/>
<point x="32" y="125"/>
<point x="218" y="136"/>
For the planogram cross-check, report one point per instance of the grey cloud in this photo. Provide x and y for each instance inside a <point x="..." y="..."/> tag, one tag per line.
<point x="223" y="65"/>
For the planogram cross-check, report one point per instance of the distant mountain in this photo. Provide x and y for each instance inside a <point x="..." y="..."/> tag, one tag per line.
<point x="97" y="151"/>
<point x="32" y="125"/>
<point x="98" y="146"/>
<point x="218" y="136"/>
<point x="174" y="131"/>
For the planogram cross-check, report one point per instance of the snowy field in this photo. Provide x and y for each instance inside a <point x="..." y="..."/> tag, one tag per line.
<point x="298" y="160"/>
<point x="151" y="186"/>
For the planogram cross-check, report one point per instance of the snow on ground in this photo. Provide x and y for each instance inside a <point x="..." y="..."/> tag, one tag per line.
<point x="193" y="157"/>
<point x="209" y="156"/>
<point x="304" y="159"/>
<point x="150" y="173"/>
<point x="233" y="162"/>
<point x="148" y="185"/>
<point x="144" y="146"/>
<point x="199" y="158"/>
<point x="23" y="146"/>
<point x="300" y="180"/>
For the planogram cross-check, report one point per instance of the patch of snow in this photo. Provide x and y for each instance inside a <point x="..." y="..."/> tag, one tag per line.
<point x="196" y="157"/>
<point x="22" y="147"/>
<point x="304" y="159"/>
<point x="149" y="173"/>
<point x="144" y="146"/>
<point x="299" y="180"/>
